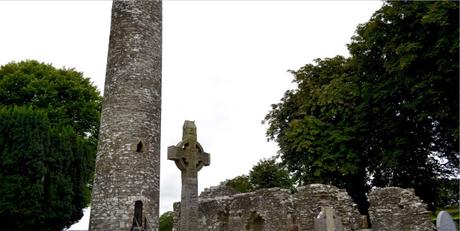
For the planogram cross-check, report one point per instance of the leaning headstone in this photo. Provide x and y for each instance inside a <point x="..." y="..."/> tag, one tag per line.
<point x="444" y="222"/>
<point x="328" y="220"/>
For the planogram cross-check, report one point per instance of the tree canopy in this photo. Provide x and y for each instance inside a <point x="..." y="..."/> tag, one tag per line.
<point x="267" y="173"/>
<point x="240" y="183"/>
<point x="49" y="120"/>
<point x="385" y="116"/>
<point x="67" y="97"/>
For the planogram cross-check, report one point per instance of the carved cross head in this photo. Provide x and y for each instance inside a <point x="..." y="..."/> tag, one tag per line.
<point x="188" y="154"/>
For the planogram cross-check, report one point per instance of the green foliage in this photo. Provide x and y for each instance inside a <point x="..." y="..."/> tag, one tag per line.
<point x="266" y="173"/>
<point x="386" y="116"/>
<point x="269" y="174"/>
<point x="409" y="52"/>
<point x="448" y="194"/>
<point x="41" y="184"/>
<point x="317" y="126"/>
<point x="48" y="126"/>
<point x="66" y="96"/>
<point x="23" y="146"/>
<point x="241" y="184"/>
<point x="167" y="221"/>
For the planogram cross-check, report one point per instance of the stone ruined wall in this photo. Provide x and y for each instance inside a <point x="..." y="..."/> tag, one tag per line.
<point x="248" y="211"/>
<point x="278" y="209"/>
<point x="128" y="157"/>
<point x="309" y="199"/>
<point x="275" y="209"/>
<point x="221" y="190"/>
<point x="395" y="208"/>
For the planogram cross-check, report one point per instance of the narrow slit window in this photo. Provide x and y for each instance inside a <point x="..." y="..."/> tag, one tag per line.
<point x="140" y="147"/>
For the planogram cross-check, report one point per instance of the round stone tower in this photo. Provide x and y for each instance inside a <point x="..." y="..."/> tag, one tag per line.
<point x="126" y="185"/>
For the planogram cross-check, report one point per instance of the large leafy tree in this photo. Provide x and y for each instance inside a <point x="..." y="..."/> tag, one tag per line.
<point x="48" y="124"/>
<point x="66" y="96"/>
<point x="386" y="116"/>
<point x="23" y="141"/>
<point x="317" y="127"/>
<point x="407" y="57"/>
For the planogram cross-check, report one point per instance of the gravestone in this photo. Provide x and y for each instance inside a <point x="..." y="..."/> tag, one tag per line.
<point x="444" y="222"/>
<point x="127" y="174"/>
<point x="189" y="157"/>
<point x="328" y="220"/>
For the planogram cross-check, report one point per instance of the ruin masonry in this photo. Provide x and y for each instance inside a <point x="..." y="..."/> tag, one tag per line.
<point x="274" y="209"/>
<point x="394" y="208"/>
<point x="223" y="209"/>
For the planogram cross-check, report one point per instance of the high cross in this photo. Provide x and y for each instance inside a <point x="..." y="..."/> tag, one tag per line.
<point x="189" y="157"/>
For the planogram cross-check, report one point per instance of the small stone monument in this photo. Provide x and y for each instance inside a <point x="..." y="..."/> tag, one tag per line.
<point x="444" y="222"/>
<point x="189" y="157"/>
<point x="328" y="220"/>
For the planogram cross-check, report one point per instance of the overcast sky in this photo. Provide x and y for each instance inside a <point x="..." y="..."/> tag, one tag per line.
<point x="224" y="64"/>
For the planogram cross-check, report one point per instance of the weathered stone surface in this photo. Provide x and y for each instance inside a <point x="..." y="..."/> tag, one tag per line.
<point x="444" y="222"/>
<point x="278" y="209"/>
<point x="221" y="190"/>
<point x="274" y="209"/>
<point x="310" y="198"/>
<point x="327" y="220"/>
<point x="189" y="157"/>
<point x="128" y="158"/>
<point x="396" y="208"/>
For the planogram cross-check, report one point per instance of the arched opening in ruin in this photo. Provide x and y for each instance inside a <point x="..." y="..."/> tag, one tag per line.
<point x="255" y="222"/>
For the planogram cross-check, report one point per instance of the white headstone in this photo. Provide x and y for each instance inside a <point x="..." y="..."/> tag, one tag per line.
<point x="444" y="222"/>
<point x="328" y="220"/>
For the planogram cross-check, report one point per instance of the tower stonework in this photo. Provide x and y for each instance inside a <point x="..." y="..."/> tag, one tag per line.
<point x="127" y="180"/>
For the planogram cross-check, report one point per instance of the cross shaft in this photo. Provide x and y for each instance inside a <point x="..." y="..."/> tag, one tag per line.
<point x="189" y="157"/>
